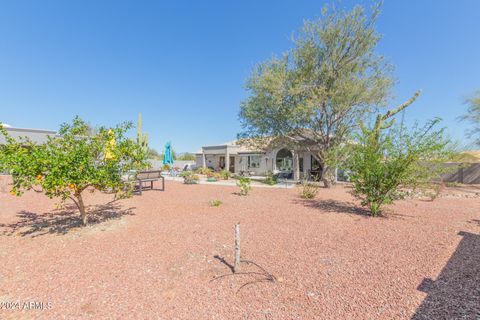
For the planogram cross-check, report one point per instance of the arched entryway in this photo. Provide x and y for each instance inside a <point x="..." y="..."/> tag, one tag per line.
<point x="284" y="160"/>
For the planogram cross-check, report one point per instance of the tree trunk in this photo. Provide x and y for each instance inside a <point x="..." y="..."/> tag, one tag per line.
<point x="236" y="265"/>
<point x="81" y="207"/>
<point x="327" y="176"/>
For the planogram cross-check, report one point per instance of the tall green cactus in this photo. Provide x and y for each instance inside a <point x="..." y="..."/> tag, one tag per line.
<point x="142" y="138"/>
<point x="381" y="121"/>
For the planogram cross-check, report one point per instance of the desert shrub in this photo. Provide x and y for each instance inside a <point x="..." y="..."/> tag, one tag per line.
<point x="308" y="190"/>
<point x="204" y="171"/>
<point x="213" y="176"/>
<point x="209" y="173"/>
<point x="225" y="174"/>
<point x="189" y="177"/>
<point x="385" y="165"/>
<point x="185" y="173"/>
<point x="452" y="184"/>
<point x="244" y="184"/>
<point x="192" y="179"/>
<point x="271" y="179"/>
<point x="215" y="203"/>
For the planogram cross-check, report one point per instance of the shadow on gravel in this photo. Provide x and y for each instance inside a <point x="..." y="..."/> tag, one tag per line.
<point x="347" y="208"/>
<point x="456" y="292"/>
<point x="61" y="221"/>
<point x="257" y="275"/>
<point x="334" y="206"/>
<point x="222" y="260"/>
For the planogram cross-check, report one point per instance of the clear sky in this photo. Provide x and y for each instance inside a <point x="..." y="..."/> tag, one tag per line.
<point x="183" y="64"/>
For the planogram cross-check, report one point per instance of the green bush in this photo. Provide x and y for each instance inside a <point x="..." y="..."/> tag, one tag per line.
<point x="271" y="179"/>
<point x="385" y="166"/>
<point x="213" y="176"/>
<point x="225" y="174"/>
<point x="204" y="171"/>
<point x="308" y="190"/>
<point x="185" y="173"/>
<point x="215" y="203"/>
<point x="189" y="177"/>
<point x="244" y="184"/>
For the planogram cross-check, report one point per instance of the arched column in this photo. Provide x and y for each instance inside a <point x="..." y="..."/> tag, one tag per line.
<point x="204" y="158"/>
<point x="296" y="165"/>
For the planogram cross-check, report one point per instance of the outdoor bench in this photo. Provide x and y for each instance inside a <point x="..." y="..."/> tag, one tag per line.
<point x="148" y="176"/>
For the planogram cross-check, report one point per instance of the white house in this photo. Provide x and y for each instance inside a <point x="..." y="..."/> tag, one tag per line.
<point x="35" y="135"/>
<point x="239" y="159"/>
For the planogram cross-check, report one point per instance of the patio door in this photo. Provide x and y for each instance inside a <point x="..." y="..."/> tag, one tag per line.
<point x="232" y="165"/>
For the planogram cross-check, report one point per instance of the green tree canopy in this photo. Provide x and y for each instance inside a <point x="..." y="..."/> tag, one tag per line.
<point x="72" y="161"/>
<point x="154" y="154"/>
<point x="187" y="156"/>
<point x="315" y="94"/>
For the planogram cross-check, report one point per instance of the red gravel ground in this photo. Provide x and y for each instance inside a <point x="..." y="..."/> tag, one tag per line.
<point x="156" y="256"/>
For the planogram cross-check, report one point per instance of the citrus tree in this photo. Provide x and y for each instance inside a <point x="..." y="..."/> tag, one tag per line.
<point x="71" y="162"/>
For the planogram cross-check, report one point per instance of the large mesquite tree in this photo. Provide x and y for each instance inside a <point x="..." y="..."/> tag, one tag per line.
<point x="71" y="162"/>
<point x="316" y="93"/>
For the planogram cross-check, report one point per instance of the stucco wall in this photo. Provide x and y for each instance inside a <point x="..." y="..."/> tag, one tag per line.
<point x="198" y="160"/>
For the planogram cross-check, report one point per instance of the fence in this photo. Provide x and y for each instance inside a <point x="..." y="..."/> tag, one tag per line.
<point x="468" y="173"/>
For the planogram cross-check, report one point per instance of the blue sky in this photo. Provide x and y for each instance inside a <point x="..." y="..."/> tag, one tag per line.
<point x="183" y="64"/>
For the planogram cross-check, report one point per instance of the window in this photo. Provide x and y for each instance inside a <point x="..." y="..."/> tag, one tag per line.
<point x="284" y="160"/>
<point x="254" y="161"/>
<point x="300" y="164"/>
<point x="221" y="162"/>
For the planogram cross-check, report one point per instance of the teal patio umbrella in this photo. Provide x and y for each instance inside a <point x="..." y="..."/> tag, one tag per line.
<point x="167" y="155"/>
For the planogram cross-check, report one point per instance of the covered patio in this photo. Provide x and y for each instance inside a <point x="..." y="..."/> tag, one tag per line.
<point x="287" y="163"/>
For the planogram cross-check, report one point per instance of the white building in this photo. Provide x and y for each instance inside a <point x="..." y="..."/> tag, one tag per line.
<point x="38" y="136"/>
<point x="286" y="162"/>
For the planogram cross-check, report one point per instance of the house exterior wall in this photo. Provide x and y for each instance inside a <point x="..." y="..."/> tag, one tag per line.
<point x="211" y="160"/>
<point x="35" y="135"/>
<point x="241" y="163"/>
<point x="199" y="160"/>
<point x="267" y="160"/>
